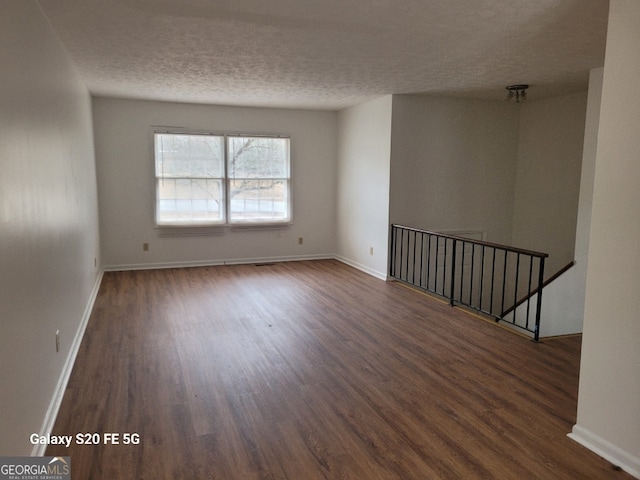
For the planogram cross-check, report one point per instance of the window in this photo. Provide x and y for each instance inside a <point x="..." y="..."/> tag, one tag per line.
<point x="204" y="179"/>
<point x="258" y="179"/>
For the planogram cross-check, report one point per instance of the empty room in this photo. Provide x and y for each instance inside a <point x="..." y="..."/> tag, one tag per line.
<point x="319" y="240"/>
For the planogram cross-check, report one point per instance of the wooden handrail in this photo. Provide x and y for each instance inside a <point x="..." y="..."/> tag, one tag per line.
<point x="535" y="290"/>
<point x="476" y="242"/>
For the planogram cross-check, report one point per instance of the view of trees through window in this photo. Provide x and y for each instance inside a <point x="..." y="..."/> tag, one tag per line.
<point x="258" y="177"/>
<point x="199" y="182"/>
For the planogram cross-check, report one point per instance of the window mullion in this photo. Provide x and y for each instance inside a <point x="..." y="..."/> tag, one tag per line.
<point x="226" y="194"/>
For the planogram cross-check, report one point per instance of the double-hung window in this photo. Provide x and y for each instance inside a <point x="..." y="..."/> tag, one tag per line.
<point x="208" y="180"/>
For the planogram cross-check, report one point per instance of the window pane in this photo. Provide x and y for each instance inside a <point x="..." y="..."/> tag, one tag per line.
<point x="196" y="156"/>
<point x="186" y="200"/>
<point x="259" y="200"/>
<point x="258" y="157"/>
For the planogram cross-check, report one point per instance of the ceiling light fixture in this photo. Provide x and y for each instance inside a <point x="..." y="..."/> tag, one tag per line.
<point x="517" y="93"/>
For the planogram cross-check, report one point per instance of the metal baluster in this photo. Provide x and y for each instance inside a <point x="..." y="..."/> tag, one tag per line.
<point x="473" y="269"/>
<point x="504" y="282"/>
<point x="493" y="280"/>
<point x="392" y="256"/>
<point x="435" y="286"/>
<point x="415" y="242"/>
<point x="428" y="274"/>
<point x="462" y="272"/>
<point x="481" y="277"/>
<point x="536" y="333"/>
<point x="515" y="289"/>
<point x="453" y="270"/>
<point x="529" y="290"/>
<point x="406" y="251"/>
<point x="418" y="260"/>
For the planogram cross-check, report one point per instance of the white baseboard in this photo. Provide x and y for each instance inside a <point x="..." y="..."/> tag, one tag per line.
<point x="209" y="263"/>
<point x="362" y="268"/>
<point x="58" y="394"/>
<point x="242" y="261"/>
<point x="607" y="450"/>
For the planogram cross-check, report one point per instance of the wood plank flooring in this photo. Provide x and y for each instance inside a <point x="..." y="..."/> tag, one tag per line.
<point x="313" y="370"/>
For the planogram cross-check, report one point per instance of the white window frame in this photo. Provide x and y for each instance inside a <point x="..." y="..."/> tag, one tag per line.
<point x="226" y="220"/>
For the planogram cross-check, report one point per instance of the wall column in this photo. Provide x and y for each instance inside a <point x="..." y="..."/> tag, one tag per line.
<point x="608" y="420"/>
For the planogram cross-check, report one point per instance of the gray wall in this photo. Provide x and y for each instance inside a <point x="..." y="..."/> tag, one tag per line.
<point x="548" y="177"/>
<point x="453" y="165"/>
<point x="49" y="250"/>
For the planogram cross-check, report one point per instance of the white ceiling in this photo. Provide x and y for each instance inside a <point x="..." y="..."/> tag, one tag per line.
<point x="329" y="54"/>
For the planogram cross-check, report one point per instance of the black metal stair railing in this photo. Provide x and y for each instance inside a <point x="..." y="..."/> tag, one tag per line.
<point x="496" y="280"/>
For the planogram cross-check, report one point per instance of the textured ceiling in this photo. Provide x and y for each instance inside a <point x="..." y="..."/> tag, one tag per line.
<point x="328" y="54"/>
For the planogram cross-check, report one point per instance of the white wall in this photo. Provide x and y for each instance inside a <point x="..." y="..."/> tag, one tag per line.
<point x="124" y="156"/>
<point x="363" y="185"/>
<point x="563" y="300"/>
<point x="608" y="418"/>
<point x="583" y="221"/>
<point x="48" y="220"/>
<point x="548" y="177"/>
<point x="453" y="164"/>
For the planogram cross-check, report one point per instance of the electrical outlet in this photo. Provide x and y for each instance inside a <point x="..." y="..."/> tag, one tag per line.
<point x="95" y="262"/>
<point x="57" y="341"/>
<point x="300" y="240"/>
<point x="145" y="247"/>
<point x="370" y="250"/>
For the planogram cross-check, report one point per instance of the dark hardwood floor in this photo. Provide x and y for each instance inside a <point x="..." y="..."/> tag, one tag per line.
<point x="313" y="370"/>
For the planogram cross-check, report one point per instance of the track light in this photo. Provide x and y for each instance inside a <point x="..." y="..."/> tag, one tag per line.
<point x="517" y="93"/>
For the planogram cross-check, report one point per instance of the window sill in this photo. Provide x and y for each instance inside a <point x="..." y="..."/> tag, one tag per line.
<point x="189" y="230"/>
<point x="259" y="226"/>
<point x="194" y="230"/>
